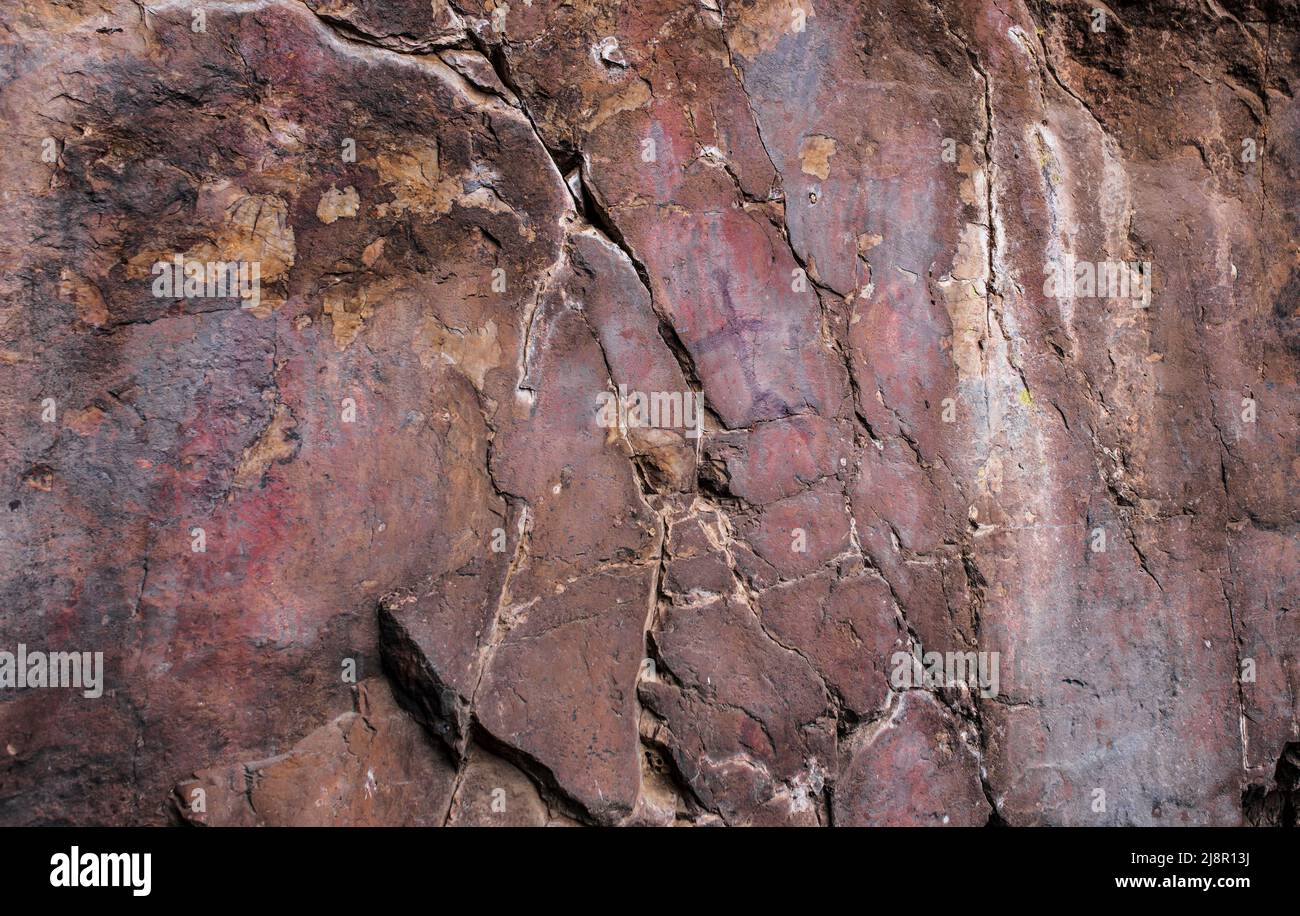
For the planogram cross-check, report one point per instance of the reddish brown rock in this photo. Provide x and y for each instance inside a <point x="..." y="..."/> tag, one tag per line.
<point x="846" y="627"/>
<point x="918" y="767"/>
<point x="748" y="721"/>
<point x="371" y="767"/>
<point x="492" y="793"/>
<point x="812" y="255"/>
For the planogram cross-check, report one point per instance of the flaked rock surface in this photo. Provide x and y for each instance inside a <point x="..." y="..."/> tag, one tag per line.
<point x="616" y="413"/>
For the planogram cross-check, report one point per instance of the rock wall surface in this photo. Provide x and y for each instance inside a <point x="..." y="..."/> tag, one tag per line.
<point x="628" y="393"/>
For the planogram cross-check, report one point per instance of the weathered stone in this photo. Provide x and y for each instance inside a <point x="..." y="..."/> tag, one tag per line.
<point x="829" y="248"/>
<point x="846" y="628"/>
<point x="371" y="767"/>
<point x="492" y="793"/>
<point x="919" y="767"/>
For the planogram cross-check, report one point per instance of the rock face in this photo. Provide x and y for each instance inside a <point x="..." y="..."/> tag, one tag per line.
<point x="775" y="412"/>
<point x="371" y="766"/>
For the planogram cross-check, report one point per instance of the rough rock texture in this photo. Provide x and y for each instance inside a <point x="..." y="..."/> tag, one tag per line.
<point x="371" y="766"/>
<point x="836" y="222"/>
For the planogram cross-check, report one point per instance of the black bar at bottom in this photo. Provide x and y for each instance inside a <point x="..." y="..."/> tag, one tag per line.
<point x="365" y="866"/>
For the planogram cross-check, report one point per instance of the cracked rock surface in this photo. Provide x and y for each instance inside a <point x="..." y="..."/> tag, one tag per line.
<point x="361" y="550"/>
